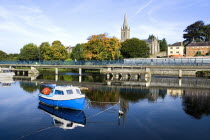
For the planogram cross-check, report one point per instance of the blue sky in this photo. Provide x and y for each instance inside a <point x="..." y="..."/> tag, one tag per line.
<point x="73" y="21"/>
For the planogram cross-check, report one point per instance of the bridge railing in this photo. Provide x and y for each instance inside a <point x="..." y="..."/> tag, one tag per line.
<point x="133" y="61"/>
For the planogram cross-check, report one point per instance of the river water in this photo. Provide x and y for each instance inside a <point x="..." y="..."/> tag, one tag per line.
<point x="159" y="108"/>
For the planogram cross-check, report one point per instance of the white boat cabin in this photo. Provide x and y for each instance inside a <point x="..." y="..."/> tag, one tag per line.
<point x="64" y="93"/>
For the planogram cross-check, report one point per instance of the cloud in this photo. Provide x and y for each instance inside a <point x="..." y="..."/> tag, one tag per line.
<point x="29" y="24"/>
<point x="143" y="7"/>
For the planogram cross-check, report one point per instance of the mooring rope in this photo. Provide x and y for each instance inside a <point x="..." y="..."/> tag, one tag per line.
<point x="101" y="111"/>
<point x="40" y="130"/>
<point x="104" y="102"/>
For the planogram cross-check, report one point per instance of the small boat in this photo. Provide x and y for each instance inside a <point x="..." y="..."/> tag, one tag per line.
<point x="63" y="97"/>
<point x="65" y="118"/>
<point x="6" y="73"/>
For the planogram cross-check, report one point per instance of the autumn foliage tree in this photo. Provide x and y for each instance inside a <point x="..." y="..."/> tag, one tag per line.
<point x="101" y="47"/>
<point x="59" y="52"/>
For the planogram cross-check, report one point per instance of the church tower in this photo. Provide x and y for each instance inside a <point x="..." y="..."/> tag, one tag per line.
<point x="125" y="30"/>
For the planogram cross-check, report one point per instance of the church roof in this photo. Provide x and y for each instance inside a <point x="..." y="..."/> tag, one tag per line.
<point x="147" y="40"/>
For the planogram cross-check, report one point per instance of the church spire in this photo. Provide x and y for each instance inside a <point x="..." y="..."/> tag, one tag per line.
<point x="125" y="23"/>
<point x="125" y="30"/>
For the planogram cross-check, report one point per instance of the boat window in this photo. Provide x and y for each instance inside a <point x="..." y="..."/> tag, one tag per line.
<point x="78" y="91"/>
<point x="58" y="92"/>
<point x="69" y="91"/>
<point x="70" y="124"/>
<point x="57" y="122"/>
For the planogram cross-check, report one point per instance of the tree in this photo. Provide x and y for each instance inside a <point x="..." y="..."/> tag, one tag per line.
<point x="206" y="32"/>
<point x="3" y="55"/>
<point x="101" y="47"/>
<point x="208" y="53"/>
<point x="12" y="56"/>
<point x="163" y="45"/>
<point x="78" y="52"/>
<point x="133" y="48"/>
<point x="197" y="31"/>
<point x="198" y="53"/>
<point x="29" y="52"/>
<point x="151" y="36"/>
<point x="58" y="51"/>
<point x="45" y="51"/>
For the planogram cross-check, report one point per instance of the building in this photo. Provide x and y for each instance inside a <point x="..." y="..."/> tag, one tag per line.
<point x="125" y="30"/>
<point x="194" y="47"/>
<point x="153" y="44"/>
<point x="176" y="50"/>
<point x="69" y="49"/>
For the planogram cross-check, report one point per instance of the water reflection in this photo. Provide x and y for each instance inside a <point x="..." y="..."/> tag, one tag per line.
<point x="29" y="87"/>
<point x="6" y="81"/>
<point x="195" y="102"/>
<point x="65" y="118"/>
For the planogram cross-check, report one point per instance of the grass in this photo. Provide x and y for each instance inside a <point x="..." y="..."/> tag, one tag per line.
<point x="202" y="73"/>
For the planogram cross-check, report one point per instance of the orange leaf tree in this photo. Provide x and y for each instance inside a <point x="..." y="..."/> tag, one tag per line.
<point x="101" y="47"/>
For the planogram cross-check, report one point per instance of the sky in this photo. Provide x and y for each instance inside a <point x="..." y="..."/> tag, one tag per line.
<point x="73" y="21"/>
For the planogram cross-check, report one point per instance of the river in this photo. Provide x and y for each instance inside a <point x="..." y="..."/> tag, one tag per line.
<point x="159" y="108"/>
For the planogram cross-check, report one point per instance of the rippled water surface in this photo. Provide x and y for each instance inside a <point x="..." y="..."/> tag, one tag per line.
<point x="159" y="108"/>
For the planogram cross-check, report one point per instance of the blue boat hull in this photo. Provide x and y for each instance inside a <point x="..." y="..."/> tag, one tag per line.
<point x="77" y="104"/>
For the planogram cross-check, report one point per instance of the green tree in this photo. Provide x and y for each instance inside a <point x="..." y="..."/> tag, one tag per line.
<point x="208" y="53"/>
<point x="163" y="45"/>
<point x="78" y="52"/>
<point x="59" y="52"/>
<point x="101" y="47"/>
<point x="198" y="53"/>
<point x="12" y="56"/>
<point x="29" y="52"/>
<point x="198" y="32"/>
<point x="3" y="55"/>
<point x="206" y="32"/>
<point x="151" y="36"/>
<point x="133" y="48"/>
<point x="45" y="51"/>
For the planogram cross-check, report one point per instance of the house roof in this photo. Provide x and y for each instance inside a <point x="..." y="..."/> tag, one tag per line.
<point x="177" y="44"/>
<point x="192" y="44"/>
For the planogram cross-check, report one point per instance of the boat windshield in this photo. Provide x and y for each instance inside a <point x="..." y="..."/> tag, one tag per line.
<point x="78" y="91"/>
<point x="69" y="91"/>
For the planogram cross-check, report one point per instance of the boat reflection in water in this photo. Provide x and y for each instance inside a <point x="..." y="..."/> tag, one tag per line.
<point x="65" y="118"/>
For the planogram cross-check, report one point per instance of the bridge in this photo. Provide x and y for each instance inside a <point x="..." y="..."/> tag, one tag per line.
<point x="136" y="67"/>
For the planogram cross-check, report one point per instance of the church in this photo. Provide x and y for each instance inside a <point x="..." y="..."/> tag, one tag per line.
<point x="152" y="43"/>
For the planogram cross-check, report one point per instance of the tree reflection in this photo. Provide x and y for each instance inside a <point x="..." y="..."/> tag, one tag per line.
<point x="134" y="95"/>
<point x="196" y="103"/>
<point x="29" y="86"/>
<point x="102" y="95"/>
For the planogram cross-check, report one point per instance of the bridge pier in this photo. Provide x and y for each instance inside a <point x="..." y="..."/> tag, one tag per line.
<point x="180" y="73"/>
<point x="80" y="79"/>
<point x="180" y="82"/>
<point x="56" y="71"/>
<point x="148" y="73"/>
<point x="80" y="71"/>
